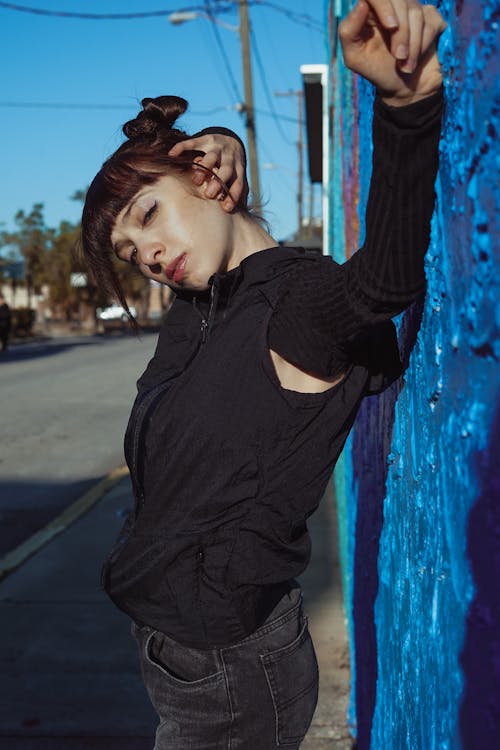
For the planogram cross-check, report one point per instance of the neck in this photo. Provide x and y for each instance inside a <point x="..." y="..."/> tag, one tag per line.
<point x="248" y="238"/>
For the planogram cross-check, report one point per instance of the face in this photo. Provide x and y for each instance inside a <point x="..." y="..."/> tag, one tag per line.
<point x="174" y="235"/>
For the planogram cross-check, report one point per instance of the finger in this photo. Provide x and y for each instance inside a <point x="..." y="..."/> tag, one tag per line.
<point x="226" y="172"/>
<point x="240" y="189"/>
<point x="208" y="161"/>
<point x="191" y="144"/>
<point x="433" y="20"/>
<point x="352" y="26"/>
<point x="400" y="37"/>
<point x="386" y="13"/>
<point x="434" y="25"/>
<point x="233" y="175"/>
<point x="238" y="192"/>
<point x="416" y="28"/>
<point x="198" y="175"/>
<point x="215" y="187"/>
<point x="205" y="165"/>
<point x="228" y="204"/>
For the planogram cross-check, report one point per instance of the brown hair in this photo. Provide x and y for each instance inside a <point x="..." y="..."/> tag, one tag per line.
<point x="141" y="160"/>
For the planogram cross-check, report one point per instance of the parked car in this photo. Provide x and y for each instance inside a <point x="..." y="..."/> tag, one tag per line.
<point x="114" y="317"/>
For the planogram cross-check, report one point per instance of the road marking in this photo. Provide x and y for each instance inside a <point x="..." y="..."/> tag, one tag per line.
<point x="20" y="554"/>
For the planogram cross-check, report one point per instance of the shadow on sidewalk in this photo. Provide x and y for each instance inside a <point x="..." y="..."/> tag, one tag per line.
<point x="51" y="347"/>
<point x="24" y="508"/>
<point x="68" y="663"/>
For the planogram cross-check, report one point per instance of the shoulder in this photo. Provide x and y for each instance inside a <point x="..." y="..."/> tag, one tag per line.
<point x="297" y="275"/>
<point x="308" y="280"/>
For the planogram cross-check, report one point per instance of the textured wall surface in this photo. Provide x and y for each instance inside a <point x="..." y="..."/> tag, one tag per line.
<point x="419" y="483"/>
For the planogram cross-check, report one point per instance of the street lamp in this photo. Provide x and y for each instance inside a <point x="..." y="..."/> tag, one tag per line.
<point x="180" y="17"/>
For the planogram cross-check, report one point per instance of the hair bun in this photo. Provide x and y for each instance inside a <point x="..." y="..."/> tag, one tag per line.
<point x="157" y="114"/>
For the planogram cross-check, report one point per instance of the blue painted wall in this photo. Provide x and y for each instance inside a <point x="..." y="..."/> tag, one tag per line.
<point x="419" y="484"/>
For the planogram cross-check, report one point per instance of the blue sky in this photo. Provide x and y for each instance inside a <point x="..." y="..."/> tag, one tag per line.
<point x="47" y="153"/>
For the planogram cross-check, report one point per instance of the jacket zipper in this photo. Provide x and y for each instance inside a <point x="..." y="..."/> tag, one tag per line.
<point x="143" y="412"/>
<point x="204" y="329"/>
<point x="151" y="399"/>
<point x="206" y="323"/>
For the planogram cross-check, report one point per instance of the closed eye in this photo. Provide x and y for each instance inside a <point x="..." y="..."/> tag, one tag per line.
<point x="149" y="214"/>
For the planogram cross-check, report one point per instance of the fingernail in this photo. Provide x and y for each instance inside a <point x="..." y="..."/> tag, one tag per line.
<point x="402" y="52"/>
<point x="198" y="178"/>
<point x="408" y="67"/>
<point x="392" y="21"/>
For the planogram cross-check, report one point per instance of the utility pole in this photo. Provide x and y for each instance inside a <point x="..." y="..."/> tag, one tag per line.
<point x="300" y="138"/>
<point x="301" y="163"/>
<point x="249" y="108"/>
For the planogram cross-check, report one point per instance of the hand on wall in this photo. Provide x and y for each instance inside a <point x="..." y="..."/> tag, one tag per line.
<point x="393" y="44"/>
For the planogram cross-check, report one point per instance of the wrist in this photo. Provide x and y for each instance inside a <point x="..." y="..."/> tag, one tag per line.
<point x="406" y="98"/>
<point x="413" y="89"/>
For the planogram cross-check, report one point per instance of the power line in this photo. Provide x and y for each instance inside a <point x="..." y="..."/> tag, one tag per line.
<point x="285" y="118"/>
<point x="63" y="105"/>
<point x="301" y="18"/>
<point x="234" y="86"/>
<point x="278" y="174"/>
<point x="83" y="105"/>
<point x="266" y="89"/>
<point x="94" y="16"/>
<point x="135" y="105"/>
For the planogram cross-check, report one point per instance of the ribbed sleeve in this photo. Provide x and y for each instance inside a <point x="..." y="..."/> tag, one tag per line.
<point x="323" y="306"/>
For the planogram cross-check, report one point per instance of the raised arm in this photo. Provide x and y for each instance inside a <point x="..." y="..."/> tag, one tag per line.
<point x="323" y="310"/>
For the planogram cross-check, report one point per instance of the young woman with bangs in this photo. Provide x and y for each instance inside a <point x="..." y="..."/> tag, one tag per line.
<point x="260" y="367"/>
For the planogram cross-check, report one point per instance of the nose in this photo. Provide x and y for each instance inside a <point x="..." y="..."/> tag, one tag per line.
<point x="150" y="253"/>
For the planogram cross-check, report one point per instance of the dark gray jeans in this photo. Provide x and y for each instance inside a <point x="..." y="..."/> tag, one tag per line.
<point x="259" y="694"/>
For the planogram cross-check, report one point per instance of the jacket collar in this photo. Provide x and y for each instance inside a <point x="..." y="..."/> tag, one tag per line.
<point x="256" y="269"/>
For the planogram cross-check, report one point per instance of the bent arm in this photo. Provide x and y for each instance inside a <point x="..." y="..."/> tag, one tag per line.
<point x="324" y="306"/>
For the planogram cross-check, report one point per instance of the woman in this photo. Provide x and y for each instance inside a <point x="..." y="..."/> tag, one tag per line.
<point x="259" y="371"/>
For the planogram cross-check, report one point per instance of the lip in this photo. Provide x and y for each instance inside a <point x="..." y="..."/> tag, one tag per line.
<point x="175" y="270"/>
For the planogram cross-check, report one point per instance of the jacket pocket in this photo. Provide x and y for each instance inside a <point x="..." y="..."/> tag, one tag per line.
<point x="292" y="677"/>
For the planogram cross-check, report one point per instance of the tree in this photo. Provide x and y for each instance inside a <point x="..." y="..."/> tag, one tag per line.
<point x="32" y="240"/>
<point x="50" y="258"/>
<point x="61" y="263"/>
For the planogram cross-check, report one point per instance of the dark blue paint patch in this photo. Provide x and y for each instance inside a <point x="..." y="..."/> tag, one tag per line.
<point x="371" y="447"/>
<point x="480" y="657"/>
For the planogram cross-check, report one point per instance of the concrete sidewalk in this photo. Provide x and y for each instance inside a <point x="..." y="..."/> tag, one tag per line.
<point x="68" y="663"/>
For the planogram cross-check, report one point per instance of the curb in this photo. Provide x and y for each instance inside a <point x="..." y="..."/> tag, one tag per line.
<point x="12" y="560"/>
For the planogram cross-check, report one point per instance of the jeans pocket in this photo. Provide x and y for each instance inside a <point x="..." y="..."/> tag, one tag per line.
<point x="180" y="673"/>
<point x="292" y="676"/>
<point x="188" y="694"/>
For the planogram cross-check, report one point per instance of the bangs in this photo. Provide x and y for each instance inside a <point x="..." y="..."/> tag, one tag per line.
<point x="120" y="178"/>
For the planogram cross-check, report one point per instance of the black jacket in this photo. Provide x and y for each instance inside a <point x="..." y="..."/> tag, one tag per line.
<point x="226" y="464"/>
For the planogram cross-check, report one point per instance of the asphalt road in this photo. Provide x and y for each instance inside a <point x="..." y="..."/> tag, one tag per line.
<point x="64" y="405"/>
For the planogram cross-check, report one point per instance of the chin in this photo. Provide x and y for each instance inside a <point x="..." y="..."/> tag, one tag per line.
<point x="196" y="283"/>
